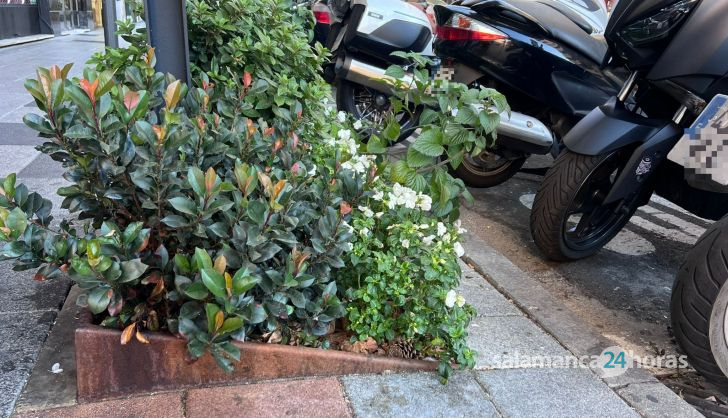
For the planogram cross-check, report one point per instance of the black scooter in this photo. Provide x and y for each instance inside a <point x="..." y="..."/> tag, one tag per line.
<point x="549" y="61"/>
<point x="637" y="144"/>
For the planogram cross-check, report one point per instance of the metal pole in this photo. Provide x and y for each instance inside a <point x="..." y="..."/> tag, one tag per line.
<point x="167" y="28"/>
<point x="108" y="19"/>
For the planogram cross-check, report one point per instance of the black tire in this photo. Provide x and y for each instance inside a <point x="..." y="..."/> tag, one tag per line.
<point x="479" y="177"/>
<point x="699" y="300"/>
<point x="345" y="100"/>
<point x="563" y="183"/>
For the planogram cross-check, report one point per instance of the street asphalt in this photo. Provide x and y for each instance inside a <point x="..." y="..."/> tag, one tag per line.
<point x="622" y="292"/>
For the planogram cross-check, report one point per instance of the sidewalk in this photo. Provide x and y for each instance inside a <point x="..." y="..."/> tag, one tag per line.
<point x="500" y="329"/>
<point x="28" y="308"/>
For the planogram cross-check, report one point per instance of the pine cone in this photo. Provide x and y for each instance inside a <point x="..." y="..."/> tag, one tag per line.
<point x="402" y="349"/>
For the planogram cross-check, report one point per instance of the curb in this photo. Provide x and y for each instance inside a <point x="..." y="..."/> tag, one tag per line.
<point x="637" y="387"/>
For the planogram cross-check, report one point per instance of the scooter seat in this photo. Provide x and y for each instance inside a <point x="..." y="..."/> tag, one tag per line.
<point x="560" y="22"/>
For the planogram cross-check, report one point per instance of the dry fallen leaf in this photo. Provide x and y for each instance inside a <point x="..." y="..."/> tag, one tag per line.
<point x="128" y="333"/>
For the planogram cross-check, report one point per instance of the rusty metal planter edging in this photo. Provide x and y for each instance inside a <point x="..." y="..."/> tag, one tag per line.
<point x="106" y="369"/>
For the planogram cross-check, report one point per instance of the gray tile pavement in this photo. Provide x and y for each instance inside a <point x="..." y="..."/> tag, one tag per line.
<point x="417" y="395"/>
<point x="28" y="308"/>
<point x="544" y="392"/>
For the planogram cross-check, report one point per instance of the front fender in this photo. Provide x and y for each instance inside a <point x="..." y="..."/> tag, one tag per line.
<point x="610" y="127"/>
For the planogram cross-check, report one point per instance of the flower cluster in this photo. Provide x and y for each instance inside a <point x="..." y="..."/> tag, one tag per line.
<point x="404" y="196"/>
<point x="360" y="164"/>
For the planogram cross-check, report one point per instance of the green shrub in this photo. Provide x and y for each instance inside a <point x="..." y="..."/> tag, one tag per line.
<point x="240" y="205"/>
<point x="216" y="227"/>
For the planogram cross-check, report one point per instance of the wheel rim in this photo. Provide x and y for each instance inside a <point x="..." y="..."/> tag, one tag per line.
<point x="718" y="327"/>
<point x="374" y="107"/>
<point x="589" y="221"/>
<point x="486" y="163"/>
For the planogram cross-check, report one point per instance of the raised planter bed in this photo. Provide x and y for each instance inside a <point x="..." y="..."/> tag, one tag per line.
<point x="106" y="369"/>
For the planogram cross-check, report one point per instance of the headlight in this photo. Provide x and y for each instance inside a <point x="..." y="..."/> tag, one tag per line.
<point x="657" y="26"/>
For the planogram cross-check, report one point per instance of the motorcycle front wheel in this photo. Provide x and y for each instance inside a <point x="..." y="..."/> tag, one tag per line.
<point x="570" y="219"/>
<point x="699" y="305"/>
<point x="373" y="106"/>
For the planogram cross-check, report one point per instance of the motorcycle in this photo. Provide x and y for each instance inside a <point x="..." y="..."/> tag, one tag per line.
<point x="362" y="36"/>
<point x="663" y="133"/>
<point x="546" y="56"/>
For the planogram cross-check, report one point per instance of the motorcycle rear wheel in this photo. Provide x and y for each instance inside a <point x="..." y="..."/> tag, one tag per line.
<point x="373" y="106"/>
<point x="569" y="220"/>
<point x="481" y="173"/>
<point x="699" y="305"/>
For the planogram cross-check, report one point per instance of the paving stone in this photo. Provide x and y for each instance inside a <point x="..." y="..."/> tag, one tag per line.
<point x="498" y="338"/>
<point x="45" y="388"/>
<point x="311" y="398"/>
<point x="14" y="158"/>
<point x="22" y="336"/>
<point x="43" y="167"/>
<point x="18" y="134"/>
<point x="484" y="297"/>
<point x="655" y="400"/>
<point x="552" y="393"/>
<point x="19" y="292"/>
<point x="154" y="406"/>
<point x="417" y="395"/>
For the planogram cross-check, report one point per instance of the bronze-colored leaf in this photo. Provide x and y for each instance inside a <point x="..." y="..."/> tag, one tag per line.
<point x="128" y="333"/>
<point x="220" y="264"/>
<point x="172" y="94"/>
<point x="210" y="180"/>
<point x="344" y="208"/>
<point x="90" y="89"/>
<point x="141" y="338"/>
<point x="229" y="284"/>
<point x="131" y="100"/>
<point x="278" y="188"/>
<point x="150" y="56"/>
<point x="267" y="184"/>
<point x="219" y="320"/>
<point x="247" y="79"/>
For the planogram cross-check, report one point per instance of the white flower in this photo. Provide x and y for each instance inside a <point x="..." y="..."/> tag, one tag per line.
<point x="423" y="226"/>
<point x="341" y="116"/>
<point x="459" y="250"/>
<point x="441" y="229"/>
<point x="344" y="134"/>
<point x="446" y="237"/>
<point x="359" y="164"/>
<point x="428" y="240"/>
<point x="424" y="202"/>
<point x="364" y="232"/>
<point x="312" y="171"/>
<point x="349" y="246"/>
<point x="450" y="299"/>
<point x="379" y="214"/>
<point x="366" y="211"/>
<point x="347" y="226"/>
<point x="328" y="110"/>
<point x="357" y="125"/>
<point x="460" y="301"/>
<point x="378" y="195"/>
<point x="405" y="243"/>
<point x="454" y="112"/>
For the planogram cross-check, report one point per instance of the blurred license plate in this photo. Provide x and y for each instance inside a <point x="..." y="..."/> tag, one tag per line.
<point x="703" y="150"/>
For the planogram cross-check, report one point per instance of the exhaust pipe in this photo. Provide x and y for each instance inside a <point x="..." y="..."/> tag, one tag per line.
<point x="519" y="132"/>
<point x="524" y="133"/>
<point x="367" y="75"/>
